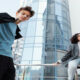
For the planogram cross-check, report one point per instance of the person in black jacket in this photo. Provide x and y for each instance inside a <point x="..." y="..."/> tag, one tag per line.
<point x="72" y="58"/>
<point x="9" y="31"/>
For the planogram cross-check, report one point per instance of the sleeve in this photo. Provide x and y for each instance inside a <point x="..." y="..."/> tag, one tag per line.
<point x="59" y="61"/>
<point x="68" y="55"/>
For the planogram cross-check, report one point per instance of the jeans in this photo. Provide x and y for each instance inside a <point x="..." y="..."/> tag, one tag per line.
<point x="72" y="67"/>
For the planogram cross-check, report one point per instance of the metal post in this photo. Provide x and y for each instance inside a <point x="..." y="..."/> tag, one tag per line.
<point x="23" y="73"/>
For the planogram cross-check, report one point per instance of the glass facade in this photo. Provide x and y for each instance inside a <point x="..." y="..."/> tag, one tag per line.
<point x="63" y="18"/>
<point x="33" y="40"/>
<point x="48" y="31"/>
<point x="57" y="36"/>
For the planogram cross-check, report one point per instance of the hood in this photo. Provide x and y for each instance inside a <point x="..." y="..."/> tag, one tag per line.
<point x="5" y="17"/>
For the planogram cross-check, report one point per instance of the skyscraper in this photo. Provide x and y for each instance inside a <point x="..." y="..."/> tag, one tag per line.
<point x="57" y="36"/>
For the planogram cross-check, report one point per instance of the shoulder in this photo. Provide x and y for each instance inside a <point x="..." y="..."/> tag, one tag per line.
<point x="4" y="13"/>
<point x="70" y="47"/>
<point x="5" y="17"/>
<point x="73" y="46"/>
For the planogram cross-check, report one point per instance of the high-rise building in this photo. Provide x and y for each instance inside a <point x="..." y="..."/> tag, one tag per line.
<point x="57" y="36"/>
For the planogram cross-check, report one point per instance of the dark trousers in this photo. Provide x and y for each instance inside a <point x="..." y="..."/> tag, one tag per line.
<point x="7" y="70"/>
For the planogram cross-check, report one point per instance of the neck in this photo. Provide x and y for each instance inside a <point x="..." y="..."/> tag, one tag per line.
<point x="17" y="21"/>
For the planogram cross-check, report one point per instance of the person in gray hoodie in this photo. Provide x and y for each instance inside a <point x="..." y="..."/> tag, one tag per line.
<point x="72" y="58"/>
<point x="9" y="31"/>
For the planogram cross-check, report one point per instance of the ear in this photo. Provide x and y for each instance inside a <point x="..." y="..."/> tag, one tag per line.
<point x="16" y="13"/>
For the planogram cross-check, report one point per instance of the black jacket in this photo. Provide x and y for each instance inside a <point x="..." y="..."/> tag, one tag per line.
<point x="4" y="18"/>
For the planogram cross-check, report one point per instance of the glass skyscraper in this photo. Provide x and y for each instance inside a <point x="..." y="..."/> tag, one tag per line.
<point x="46" y="38"/>
<point x="57" y="37"/>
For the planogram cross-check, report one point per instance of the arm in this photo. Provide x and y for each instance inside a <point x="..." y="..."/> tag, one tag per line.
<point x="66" y="57"/>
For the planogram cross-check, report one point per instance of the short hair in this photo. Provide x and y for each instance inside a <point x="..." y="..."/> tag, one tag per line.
<point x="74" y="38"/>
<point x="27" y="8"/>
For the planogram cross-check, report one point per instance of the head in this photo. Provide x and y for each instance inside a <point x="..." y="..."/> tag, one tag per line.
<point x="75" y="38"/>
<point x="24" y="13"/>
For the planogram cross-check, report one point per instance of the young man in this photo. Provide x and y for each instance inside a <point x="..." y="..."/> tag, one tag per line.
<point x="9" y="31"/>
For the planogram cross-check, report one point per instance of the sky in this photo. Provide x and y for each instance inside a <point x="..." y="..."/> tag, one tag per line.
<point x="74" y="6"/>
<point x="11" y="6"/>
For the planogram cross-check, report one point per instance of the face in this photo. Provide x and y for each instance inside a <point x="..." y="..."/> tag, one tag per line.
<point x="23" y="15"/>
<point x="79" y="37"/>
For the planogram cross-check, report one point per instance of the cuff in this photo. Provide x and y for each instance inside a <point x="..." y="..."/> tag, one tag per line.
<point x="59" y="61"/>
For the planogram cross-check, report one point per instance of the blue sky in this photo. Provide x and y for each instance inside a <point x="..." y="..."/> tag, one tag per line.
<point x="9" y="6"/>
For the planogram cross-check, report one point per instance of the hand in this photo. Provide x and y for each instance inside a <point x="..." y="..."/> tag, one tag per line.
<point x="56" y="64"/>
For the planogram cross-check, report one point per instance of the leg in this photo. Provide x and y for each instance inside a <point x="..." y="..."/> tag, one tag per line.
<point x="72" y="67"/>
<point x="3" y="66"/>
<point x="10" y="74"/>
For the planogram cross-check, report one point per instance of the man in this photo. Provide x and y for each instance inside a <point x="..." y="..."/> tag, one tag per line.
<point x="9" y="31"/>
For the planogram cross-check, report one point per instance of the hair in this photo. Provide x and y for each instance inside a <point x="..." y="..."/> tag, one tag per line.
<point x="27" y="8"/>
<point x="74" y="38"/>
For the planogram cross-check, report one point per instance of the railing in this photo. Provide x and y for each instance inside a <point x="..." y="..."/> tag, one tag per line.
<point x="25" y="72"/>
<point x="34" y="64"/>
